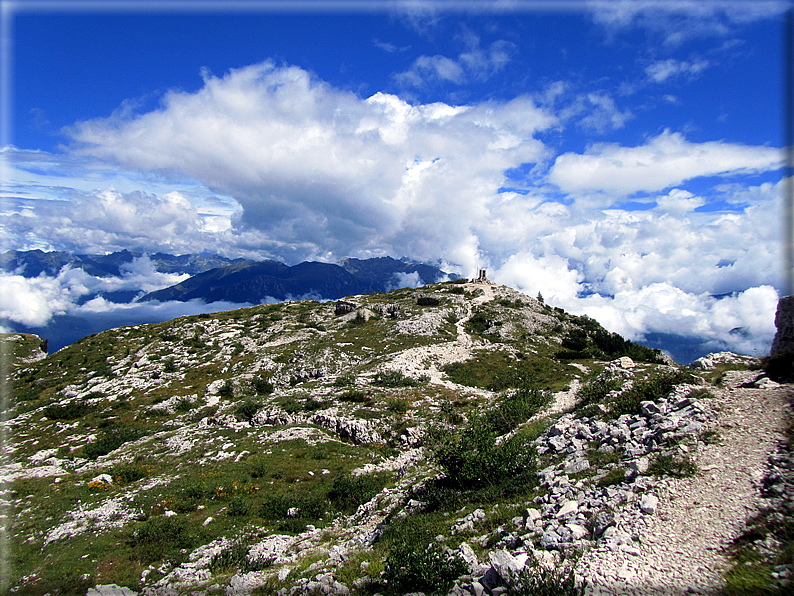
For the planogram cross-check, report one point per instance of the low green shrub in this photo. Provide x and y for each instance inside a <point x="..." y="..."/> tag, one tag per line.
<point x="345" y="380"/>
<point x="598" y="459"/>
<point x="700" y="393"/>
<point x="110" y="440"/>
<point x="478" y="324"/>
<point x="312" y="405"/>
<point x="104" y="370"/>
<point x="274" y="507"/>
<point x="348" y="492"/>
<point x="226" y="390"/>
<point x="160" y="537"/>
<point x="429" y="570"/>
<point x="247" y="410"/>
<point x="125" y="473"/>
<point x="596" y="390"/>
<point x="651" y="389"/>
<point x="517" y="407"/>
<point x="262" y="386"/>
<point x="498" y="370"/>
<point x="440" y="495"/>
<point x="195" y="342"/>
<point x="449" y="414"/>
<point x="239" y="506"/>
<point x="473" y="459"/>
<point x="355" y="396"/>
<point x="259" y="469"/>
<point x="188" y="496"/>
<point x="233" y="557"/>
<point x="290" y="404"/>
<point x="308" y="507"/>
<point x="293" y="525"/>
<point x="184" y="405"/>
<point x="359" y="319"/>
<point x="427" y="301"/>
<point x="510" y="303"/>
<point x="537" y="580"/>
<point x="395" y="378"/>
<point x="368" y="414"/>
<point x="69" y="411"/>
<point x="399" y="406"/>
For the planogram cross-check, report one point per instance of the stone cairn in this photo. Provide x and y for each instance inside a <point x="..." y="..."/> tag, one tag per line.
<point x="482" y="279"/>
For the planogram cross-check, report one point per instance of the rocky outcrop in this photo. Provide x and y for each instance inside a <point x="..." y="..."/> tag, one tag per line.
<point x="387" y="310"/>
<point x="110" y="590"/>
<point x="358" y="431"/>
<point x="784" y="321"/>
<point x="711" y="361"/>
<point x="343" y="307"/>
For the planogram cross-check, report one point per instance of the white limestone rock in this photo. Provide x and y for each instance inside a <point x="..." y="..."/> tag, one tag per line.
<point x="649" y="504"/>
<point x="110" y="590"/>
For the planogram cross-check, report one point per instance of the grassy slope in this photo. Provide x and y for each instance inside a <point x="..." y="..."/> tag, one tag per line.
<point x="166" y="402"/>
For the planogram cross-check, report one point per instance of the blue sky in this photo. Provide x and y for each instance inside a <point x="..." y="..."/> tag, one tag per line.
<point x="623" y="158"/>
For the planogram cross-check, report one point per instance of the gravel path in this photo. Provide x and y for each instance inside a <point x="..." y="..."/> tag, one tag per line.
<point x="681" y="548"/>
<point x="428" y="360"/>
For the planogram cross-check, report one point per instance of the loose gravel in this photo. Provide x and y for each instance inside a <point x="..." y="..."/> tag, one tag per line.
<point x="682" y="548"/>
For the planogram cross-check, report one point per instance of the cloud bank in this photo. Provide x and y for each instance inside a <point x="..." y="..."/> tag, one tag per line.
<point x="325" y="172"/>
<point x="318" y="173"/>
<point x="34" y="301"/>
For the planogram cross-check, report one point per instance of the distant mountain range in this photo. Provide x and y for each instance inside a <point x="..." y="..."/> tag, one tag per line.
<point x="217" y="282"/>
<point x="216" y="278"/>
<point x="32" y="263"/>
<point x="256" y="282"/>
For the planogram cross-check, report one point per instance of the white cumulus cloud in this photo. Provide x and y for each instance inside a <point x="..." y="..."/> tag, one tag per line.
<point x="664" y="161"/>
<point x="320" y="170"/>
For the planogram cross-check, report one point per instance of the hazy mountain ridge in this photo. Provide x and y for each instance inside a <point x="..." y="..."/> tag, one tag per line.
<point x="85" y="294"/>
<point x="31" y="263"/>
<point x="301" y="447"/>
<point x="257" y="282"/>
